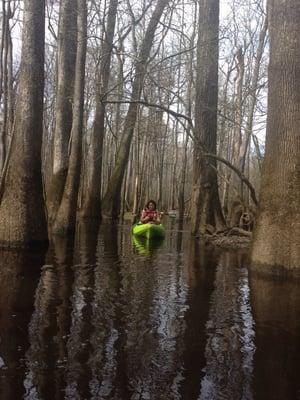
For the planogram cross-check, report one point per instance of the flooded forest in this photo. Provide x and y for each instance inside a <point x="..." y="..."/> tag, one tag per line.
<point x="149" y="199"/>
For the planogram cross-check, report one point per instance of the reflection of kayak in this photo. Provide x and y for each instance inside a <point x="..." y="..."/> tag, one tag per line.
<point x="145" y="246"/>
<point x="149" y="231"/>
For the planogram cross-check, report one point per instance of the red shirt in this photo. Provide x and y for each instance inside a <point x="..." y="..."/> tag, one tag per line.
<point x="149" y="213"/>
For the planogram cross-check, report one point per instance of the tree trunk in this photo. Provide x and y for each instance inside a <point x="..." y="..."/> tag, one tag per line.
<point x="182" y="184"/>
<point x="253" y="93"/>
<point x="91" y="199"/>
<point x="5" y="39"/>
<point x="206" y="207"/>
<point x="231" y="194"/>
<point x="277" y="234"/>
<point x="22" y="211"/>
<point x="111" y="201"/>
<point x="66" y="216"/>
<point x="64" y="103"/>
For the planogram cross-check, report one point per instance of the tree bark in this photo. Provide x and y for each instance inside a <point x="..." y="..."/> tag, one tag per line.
<point x="111" y="200"/>
<point x="91" y="200"/>
<point x="22" y="211"/>
<point x="64" y="103"/>
<point x="4" y="79"/>
<point x="206" y="207"/>
<point x="188" y="134"/>
<point x="65" y="220"/>
<point x="236" y="135"/>
<point x="253" y="100"/>
<point x="277" y="234"/>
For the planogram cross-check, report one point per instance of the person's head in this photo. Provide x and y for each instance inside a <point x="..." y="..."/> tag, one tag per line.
<point x="151" y="205"/>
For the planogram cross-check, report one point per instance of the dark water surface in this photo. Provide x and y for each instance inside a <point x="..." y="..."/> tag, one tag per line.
<point x="108" y="318"/>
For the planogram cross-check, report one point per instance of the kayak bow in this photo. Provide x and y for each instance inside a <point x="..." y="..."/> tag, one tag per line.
<point x="149" y="231"/>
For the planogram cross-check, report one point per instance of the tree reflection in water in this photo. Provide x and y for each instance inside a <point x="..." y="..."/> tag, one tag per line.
<point x="276" y="310"/>
<point x="230" y="334"/>
<point x="19" y="275"/>
<point x="50" y="324"/>
<point x="101" y="321"/>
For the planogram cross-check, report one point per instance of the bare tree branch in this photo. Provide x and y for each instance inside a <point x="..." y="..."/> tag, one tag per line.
<point x="238" y="172"/>
<point x="179" y="116"/>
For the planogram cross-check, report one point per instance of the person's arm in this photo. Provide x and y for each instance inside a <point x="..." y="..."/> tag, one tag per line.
<point x="144" y="218"/>
<point x="158" y="218"/>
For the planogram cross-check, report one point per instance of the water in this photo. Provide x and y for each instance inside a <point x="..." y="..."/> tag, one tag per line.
<point x="108" y="318"/>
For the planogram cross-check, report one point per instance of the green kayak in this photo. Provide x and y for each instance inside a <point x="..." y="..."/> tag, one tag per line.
<point x="149" y="231"/>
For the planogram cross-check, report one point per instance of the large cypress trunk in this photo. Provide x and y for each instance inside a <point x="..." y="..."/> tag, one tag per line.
<point x="206" y="207"/>
<point x="112" y="199"/>
<point x="22" y="211"/>
<point x="65" y="220"/>
<point x="67" y="39"/>
<point x="277" y="234"/>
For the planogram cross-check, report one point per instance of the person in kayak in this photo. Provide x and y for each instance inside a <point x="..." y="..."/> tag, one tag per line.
<point x="150" y="215"/>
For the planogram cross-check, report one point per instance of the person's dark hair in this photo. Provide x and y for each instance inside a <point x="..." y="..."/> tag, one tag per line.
<point x="153" y="202"/>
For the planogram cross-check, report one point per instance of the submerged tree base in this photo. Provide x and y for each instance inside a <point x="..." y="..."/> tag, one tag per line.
<point x="25" y="245"/>
<point x="275" y="271"/>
